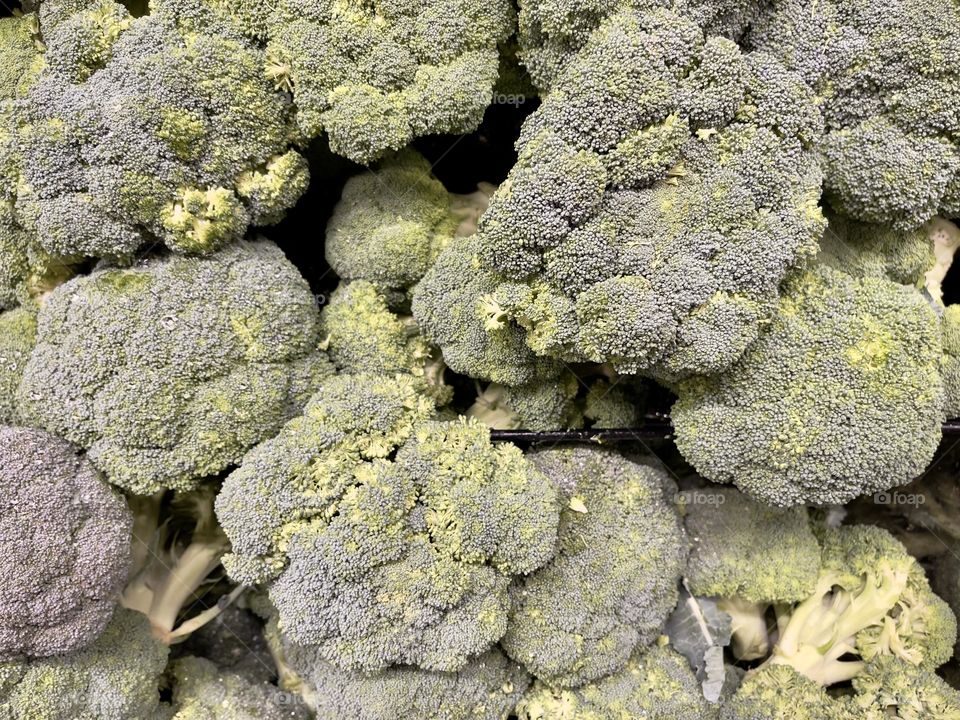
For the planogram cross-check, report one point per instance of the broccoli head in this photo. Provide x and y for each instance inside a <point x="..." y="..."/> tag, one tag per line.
<point x="391" y="224"/>
<point x="116" y="678"/>
<point x="656" y="684"/>
<point x="544" y="405"/>
<point x="386" y="537"/>
<point x="664" y="188"/>
<point x="880" y="71"/>
<point x="64" y="547"/>
<point x="892" y="688"/>
<point x="376" y="75"/>
<point x="170" y="370"/>
<point x="841" y="396"/>
<point x="779" y="692"/>
<point x="18" y="335"/>
<point x="613" y="582"/>
<point x="161" y="127"/>
<point x="614" y="403"/>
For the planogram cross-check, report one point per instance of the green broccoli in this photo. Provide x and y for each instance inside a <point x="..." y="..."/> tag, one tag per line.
<point x="881" y="71"/>
<point x="391" y="224"/>
<point x="169" y="371"/>
<point x="376" y="75"/>
<point x="545" y="405"/>
<point x="362" y="335"/>
<point x="116" y="678"/>
<point x="892" y="688"/>
<point x="18" y="335"/>
<point x="613" y="581"/>
<point x="656" y="684"/>
<point x="841" y="396"/>
<point x="664" y="188"/>
<point x="749" y="556"/>
<point x="779" y="692"/>
<point x="155" y="127"/>
<point x="386" y="537"/>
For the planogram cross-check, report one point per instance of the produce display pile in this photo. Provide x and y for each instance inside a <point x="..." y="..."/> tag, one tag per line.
<point x="279" y="279"/>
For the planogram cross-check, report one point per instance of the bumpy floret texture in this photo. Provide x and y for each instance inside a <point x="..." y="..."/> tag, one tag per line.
<point x="741" y="548"/>
<point x="656" y="684"/>
<point x="552" y="31"/>
<point x="613" y="582"/>
<point x="891" y="688"/>
<point x="18" y="335"/>
<point x="162" y="127"/>
<point x="116" y="678"/>
<point x="841" y="396"/>
<point x="549" y="404"/>
<point x="169" y="371"/>
<point x="488" y="688"/>
<point x="387" y="538"/>
<point x="888" y="90"/>
<point x="864" y="250"/>
<point x="778" y="692"/>
<point x="663" y="190"/>
<point x="202" y="691"/>
<point x="391" y="224"/>
<point x="376" y="75"/>
<point x="614" y="403"/>
<point x="64" y="547"/>
<point x="951" y="359"/>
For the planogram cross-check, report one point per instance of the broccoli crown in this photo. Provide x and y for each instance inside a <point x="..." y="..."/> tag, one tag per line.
<point x="544" y="405"/>
<point x="64" y="547"/>
<point x="386" y="537"/>
<point x="457" y="307"/>
<point x="376" y="75"/>
<point x="18" y="335"/>
<point x="169" y="371"/>
<point x="613" y="582"/>
<point x="950" y="369"/>
<point x="614" y="404"/>
<point x="740" y="548"/>
<point x="487" y="688"/>
<point x="116" y="678"/>
<point x="552" y="31"/>
<point x="664" y="188"/>
<point x="390" y="224"/>
<point x="891" y="688"/>
<point x="656" y="684"/>
<point x="202" y="691"/>
<point x="363" y="335"/>
<point x="161" y="127"/>
<point x="888" y="92"/>
<point x="841" y="396"/>
<point x="779" y="692"/>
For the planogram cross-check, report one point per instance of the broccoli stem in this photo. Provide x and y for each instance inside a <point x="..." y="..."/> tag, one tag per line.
<point x="751" y="637"/>
<point x="468" y="208"/>
<point x="181" y="585"/>
<point x="492" y="410"/>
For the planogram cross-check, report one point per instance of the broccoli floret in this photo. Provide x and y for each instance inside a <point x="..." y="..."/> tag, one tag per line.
<point x="663" y="190"/>
<point x="391" y="224"/>
<point x="376" y="75"/>
<point x="116" y="678"/>
<point x="202" y="691"/>
<point x="64" y="547"/>
<point x="456" y="308"/>
<point x="778" y="692"/>
<point x="841" y="396"/>
<point x="613" y="582"/>
<point x="872" y="599"/>
<point x="18" y="335"/>
<point x="656" y="684"/>
<point x="386" y="538"/>
<point x="750" y="556"/>
<point x="614" y="403"/>
<point x="545" y="405"/>
<point x="891" y="688"/>
<point x="864" y="250"/>
<point x="362" y="335"/>
<point x="879" y="69"/>
<point x="169" y="371"/>
<point x="157" y="127"/>
<point x="487" y="688"/>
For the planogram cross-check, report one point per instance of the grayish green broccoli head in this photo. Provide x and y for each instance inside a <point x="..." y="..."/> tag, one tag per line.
<point x="159" y="127"/>
<point x="841" y="396"/>
<point x="116" y="678"/>
<point x="664" y="189"/>
<point x="64" y="547"/>
<point x="551" y="32"/>
<point x="376" y="75"/>
<point x="202" y="691"/>
<point x="892" y="688"/>
<point x="385" y="537"/>
<point x="487" y="688"/>
<point x="656" y="684"/>
<point x="884" y="75"/>
<point x="778" y="692"/>
<point x="391" y="223"/>
<point x="613" y="582"/>
<point x="18" y="335"/>
<point x="548" y="404"/>
<point x="169" y="371"/>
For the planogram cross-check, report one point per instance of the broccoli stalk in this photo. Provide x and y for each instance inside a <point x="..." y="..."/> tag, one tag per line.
<point x="174" y="560"/>
<point x="946" y="238"/>
<point x="822" y="629"/>
<point x="750" y="636"/>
